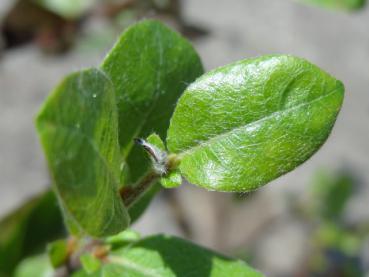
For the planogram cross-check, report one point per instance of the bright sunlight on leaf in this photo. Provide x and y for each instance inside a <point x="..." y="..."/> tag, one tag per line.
<point x="242" y="125"/>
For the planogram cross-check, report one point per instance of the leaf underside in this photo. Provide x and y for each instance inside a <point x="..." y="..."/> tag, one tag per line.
<point x="78" y="130"/>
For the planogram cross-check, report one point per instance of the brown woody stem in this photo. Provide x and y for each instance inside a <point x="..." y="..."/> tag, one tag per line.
<point x="131" y="194"/>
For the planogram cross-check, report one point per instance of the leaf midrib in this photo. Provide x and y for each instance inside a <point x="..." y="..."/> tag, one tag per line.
<point x="214" y="138"/>
<point x="156" y="95"/>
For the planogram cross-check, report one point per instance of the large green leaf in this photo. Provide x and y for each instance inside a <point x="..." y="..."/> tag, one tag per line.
<point x="242" y="125"/>
<point x="156" y="256"/>
<point x="150" y="66"/>
<point x="167" y="256"/>
<point x="28" y="229"/>
<point x="78" y="127"/>
<point x="338" y="4"/>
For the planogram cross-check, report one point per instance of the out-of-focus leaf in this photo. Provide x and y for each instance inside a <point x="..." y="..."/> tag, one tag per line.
<point x="69" y="9"/>
<point x="90" y="263"/>
<point x="28" y="229"/>
<point x="123" y="238"/>
<point x="156" y="256"/>
<point x="58" y="252"/>
<point x="242" y="125"/>
<point x="78" y="128"/>
<point x="35" y="266"/>
<point x="167" y="256"/>
<point x="150" y="67"/>
<point x="338" y="4"/>
<point x="331" y="193"/>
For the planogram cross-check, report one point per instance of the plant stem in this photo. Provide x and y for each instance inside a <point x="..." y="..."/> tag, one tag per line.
<point x="133" y="193"/>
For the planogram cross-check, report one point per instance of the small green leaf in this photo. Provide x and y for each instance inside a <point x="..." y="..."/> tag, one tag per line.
<point x="155" y="140"/>
<point x="35" y="266"/>
<point x="90" y="263"/>
<point x="78" y="127"/>
<point x="150" y="67"/>
<point x="167" y="256"/>
<point x="242" y="125"/>
<point x="339" y="4"/>
<point x="123" y="238"/>
<point x="172" y="180"/>
<point x="58" y="252"/>
<point x="69" y="9"/>
<point x="28" y="229"/>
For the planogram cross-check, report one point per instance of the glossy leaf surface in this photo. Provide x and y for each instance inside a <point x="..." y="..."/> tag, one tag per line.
<point x="242" y="125"/>
<point x="78" y="127"/>
<point x="150" y="67"/>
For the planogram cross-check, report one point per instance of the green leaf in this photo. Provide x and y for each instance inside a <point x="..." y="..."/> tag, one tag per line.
<point x="58" y="252"/>
<point x="90" y="263"/>
<point x="123" y="238"/>
<point x="331" y="193"/>
<point x="155" y="256"/>
<point x="150" y="67"/>
<point x="167" y="256"/>
<point x="28" y="229"/>
<point x="172" y="180"/>
<point x="69" y="9"/>
<point x="78" y="128"/>
<point x="339" y="4"/>
<point x="35" y="266"/>
<point x="155" y="140"/>
<point x="242" y="125"/>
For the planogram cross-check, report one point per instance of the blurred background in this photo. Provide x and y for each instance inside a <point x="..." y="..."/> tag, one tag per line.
<point x="312" y="222"/>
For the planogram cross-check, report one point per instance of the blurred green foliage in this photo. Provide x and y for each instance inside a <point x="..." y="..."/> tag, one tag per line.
<point x="336" y="245"/>
<point x="331" y="193"/>
<point x="69" y="9"/>
<point x="27" y="230"/>
<point x="348" y="5"/>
